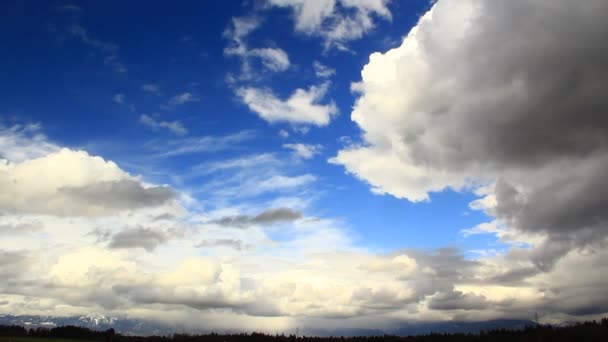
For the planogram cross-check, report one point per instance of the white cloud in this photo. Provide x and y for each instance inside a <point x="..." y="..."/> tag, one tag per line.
<point x="335" y="21"/>
<point x="19" y="143"/>
<point x="272" y="58"/>
<point x="181" y="99"/>
<point x="323" y="71"/>
<point x="175" y="127"/>
<point x="305" y="151"/>
<point x="302" y="107"/>
<point x="70" y="182"/>
<point x="203" y="144"/>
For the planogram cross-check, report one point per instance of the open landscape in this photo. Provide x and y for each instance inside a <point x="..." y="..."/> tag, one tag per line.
<point x="303" y="170"/>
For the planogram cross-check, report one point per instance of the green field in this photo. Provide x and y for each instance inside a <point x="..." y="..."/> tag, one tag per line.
<point x="36" y="339"/>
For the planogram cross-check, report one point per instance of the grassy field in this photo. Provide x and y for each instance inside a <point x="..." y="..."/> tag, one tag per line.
<point x="36" y="339"/>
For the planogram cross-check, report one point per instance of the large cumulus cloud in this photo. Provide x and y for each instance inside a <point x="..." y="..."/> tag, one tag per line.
<point x="504" y="98"/>
<point x="68" y="182"/>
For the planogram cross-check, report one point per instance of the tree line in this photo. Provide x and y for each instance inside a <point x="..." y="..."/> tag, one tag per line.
<point x="582" y="331"/>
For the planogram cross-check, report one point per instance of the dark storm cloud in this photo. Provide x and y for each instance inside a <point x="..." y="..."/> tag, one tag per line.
<point x="139" y="237"/>
<point x="270" y="216"/>
<point x="121" y="194"/>
<point x="456" y="300"/>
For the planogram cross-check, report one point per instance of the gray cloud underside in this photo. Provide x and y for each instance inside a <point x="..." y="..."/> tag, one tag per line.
<point x="139" y="237"/>
<point x="270" y="216"/>
<point x="121" y="194"/>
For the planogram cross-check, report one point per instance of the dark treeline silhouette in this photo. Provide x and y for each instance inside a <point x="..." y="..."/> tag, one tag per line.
<point x="585" y="331"/>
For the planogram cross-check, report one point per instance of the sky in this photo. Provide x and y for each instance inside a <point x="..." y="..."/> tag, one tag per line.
<point x="273" y="164"/>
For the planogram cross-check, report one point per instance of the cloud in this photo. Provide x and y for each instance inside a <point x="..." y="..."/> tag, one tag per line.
<point x="22" y="142"/>
<point x="181" y="99"/>
<point x="271" y="58"/>
<point x="269" y="216"/>
<point x="13" y="264"/>
<point x="109" y="50"/>
<point x="229" y="243"/>
<point x="70" y="182"/>
<point x="139" y="237"/>
<point x="246" y="162"/>
<point x="205" y="144"/>
<point x="119" y="194"/>
<point x="151" y="88"/>
<point x="20" y="228"/>
<point x="323" y="71"/>
<point x="433" y="118"/>
<point x="119" y="98"/>
<point x="335" y="21"/>
<point x="456" y="300"/>
<point x="305" y="151"/>
<point x="68" y="8"/>
<point x="302" y="107"/>
<point x="174" y="127"/>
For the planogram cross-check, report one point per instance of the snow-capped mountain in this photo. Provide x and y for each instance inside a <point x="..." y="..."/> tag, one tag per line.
<point x="97" y="320"/>
<point x="92" y="321"/>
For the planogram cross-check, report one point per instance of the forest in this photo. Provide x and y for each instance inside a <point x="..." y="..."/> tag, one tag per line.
<point x="582" y="331"/>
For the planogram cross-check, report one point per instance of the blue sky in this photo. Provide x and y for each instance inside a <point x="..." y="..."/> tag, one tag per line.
<point x="180" y="50"/>
<point x="227" y="148"/>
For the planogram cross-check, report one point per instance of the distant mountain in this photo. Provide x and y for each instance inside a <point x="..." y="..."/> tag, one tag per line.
<point x="94" y="322"/>
<point x="147" y="328"/>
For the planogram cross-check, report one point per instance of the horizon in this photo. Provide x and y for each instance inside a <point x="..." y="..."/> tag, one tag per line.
<point x="331" y="164"/>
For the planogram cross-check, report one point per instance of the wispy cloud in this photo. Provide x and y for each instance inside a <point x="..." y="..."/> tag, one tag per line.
<point x="175" y="127"/>
<point x="109" y="50"/>
<point x="68" y="8"/>
<point x="271" y="58"/>
<point x="150" y="88"/>
<point x="250" y="161"/>
<point x="119" y="98"/>
<point x="179" y="100"/>
<point x="323" y="71"/>
<point x="203" y="144"/>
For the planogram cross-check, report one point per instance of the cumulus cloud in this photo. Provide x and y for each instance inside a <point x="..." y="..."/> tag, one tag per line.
<point x="174" y="127"/>
<point x="505" y="97"/>
<point x="70" y="182"/>
<point x="271" y="58"/>
<point x="302" y="107"/>
<point x="335" y="21"/>
<point x="305" y="151"/>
